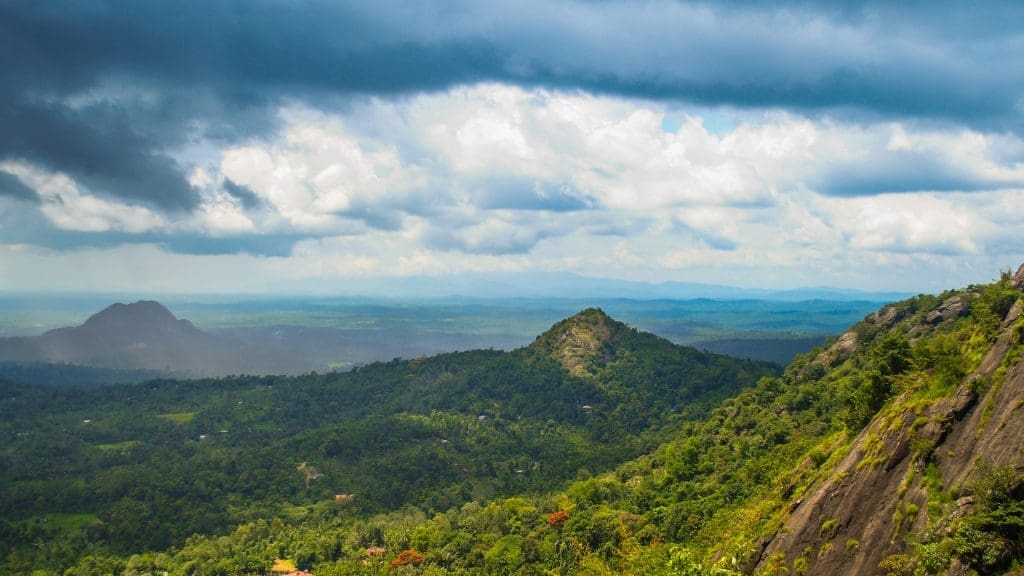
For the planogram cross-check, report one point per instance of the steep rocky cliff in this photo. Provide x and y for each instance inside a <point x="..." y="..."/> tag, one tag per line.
<point x="900" y="499"/>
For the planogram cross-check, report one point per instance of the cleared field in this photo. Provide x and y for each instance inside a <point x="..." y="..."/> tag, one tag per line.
<point x="125" y="446"/>
<point x="178" y="417"/>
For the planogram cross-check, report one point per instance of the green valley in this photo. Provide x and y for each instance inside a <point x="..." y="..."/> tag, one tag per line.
<point x="895" y="449"/>
<point x="151" y="464"/>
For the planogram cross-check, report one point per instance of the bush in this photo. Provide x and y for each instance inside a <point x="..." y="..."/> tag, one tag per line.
<point x="935" y="557"/>
<point x="992" y="535"/>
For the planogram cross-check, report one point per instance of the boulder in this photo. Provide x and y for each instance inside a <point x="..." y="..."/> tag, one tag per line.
<point x="1018" y="278"/>
<point x="952" y="307"/>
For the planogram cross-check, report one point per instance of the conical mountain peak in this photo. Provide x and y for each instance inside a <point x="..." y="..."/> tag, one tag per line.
<point x="581" y="340"/>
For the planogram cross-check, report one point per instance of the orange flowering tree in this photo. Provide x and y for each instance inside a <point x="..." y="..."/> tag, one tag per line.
<point x="557" y="519"/>
<point x="407" y="558"/>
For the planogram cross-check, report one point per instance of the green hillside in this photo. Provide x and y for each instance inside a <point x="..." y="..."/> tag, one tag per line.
<point x="896" y="449"/>
<point x="143" y="467"/>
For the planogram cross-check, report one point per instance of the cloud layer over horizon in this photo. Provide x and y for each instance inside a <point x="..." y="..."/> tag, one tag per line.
<point x="742" y="143"/>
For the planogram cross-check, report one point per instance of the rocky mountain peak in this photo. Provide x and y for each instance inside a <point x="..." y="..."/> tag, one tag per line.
<point x="580" y="340"/>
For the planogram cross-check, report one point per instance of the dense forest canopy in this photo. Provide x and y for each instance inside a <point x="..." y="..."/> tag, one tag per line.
<point x="130" y="468"/>
<point x="596" y="450"/>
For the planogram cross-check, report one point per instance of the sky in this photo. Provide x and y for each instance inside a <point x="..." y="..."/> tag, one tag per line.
<point x="298" y="146"/>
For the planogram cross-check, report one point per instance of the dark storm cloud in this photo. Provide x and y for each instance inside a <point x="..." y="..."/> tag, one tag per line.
<point x="98" y="146"/>
<point x="204" y="71"/>
<point x="248" y="52"/>
<point x="108" y="91"/>
<point x="875" y="56"/>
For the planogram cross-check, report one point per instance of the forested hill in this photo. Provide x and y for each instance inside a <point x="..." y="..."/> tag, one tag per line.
<point x="895" y="450"/>
<point x="124" y="469"/>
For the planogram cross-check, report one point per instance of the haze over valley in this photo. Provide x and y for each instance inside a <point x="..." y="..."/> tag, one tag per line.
<point x="277" y="336"/>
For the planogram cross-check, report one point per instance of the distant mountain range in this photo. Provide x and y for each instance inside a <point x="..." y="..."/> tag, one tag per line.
<point x="569" y="285"/>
